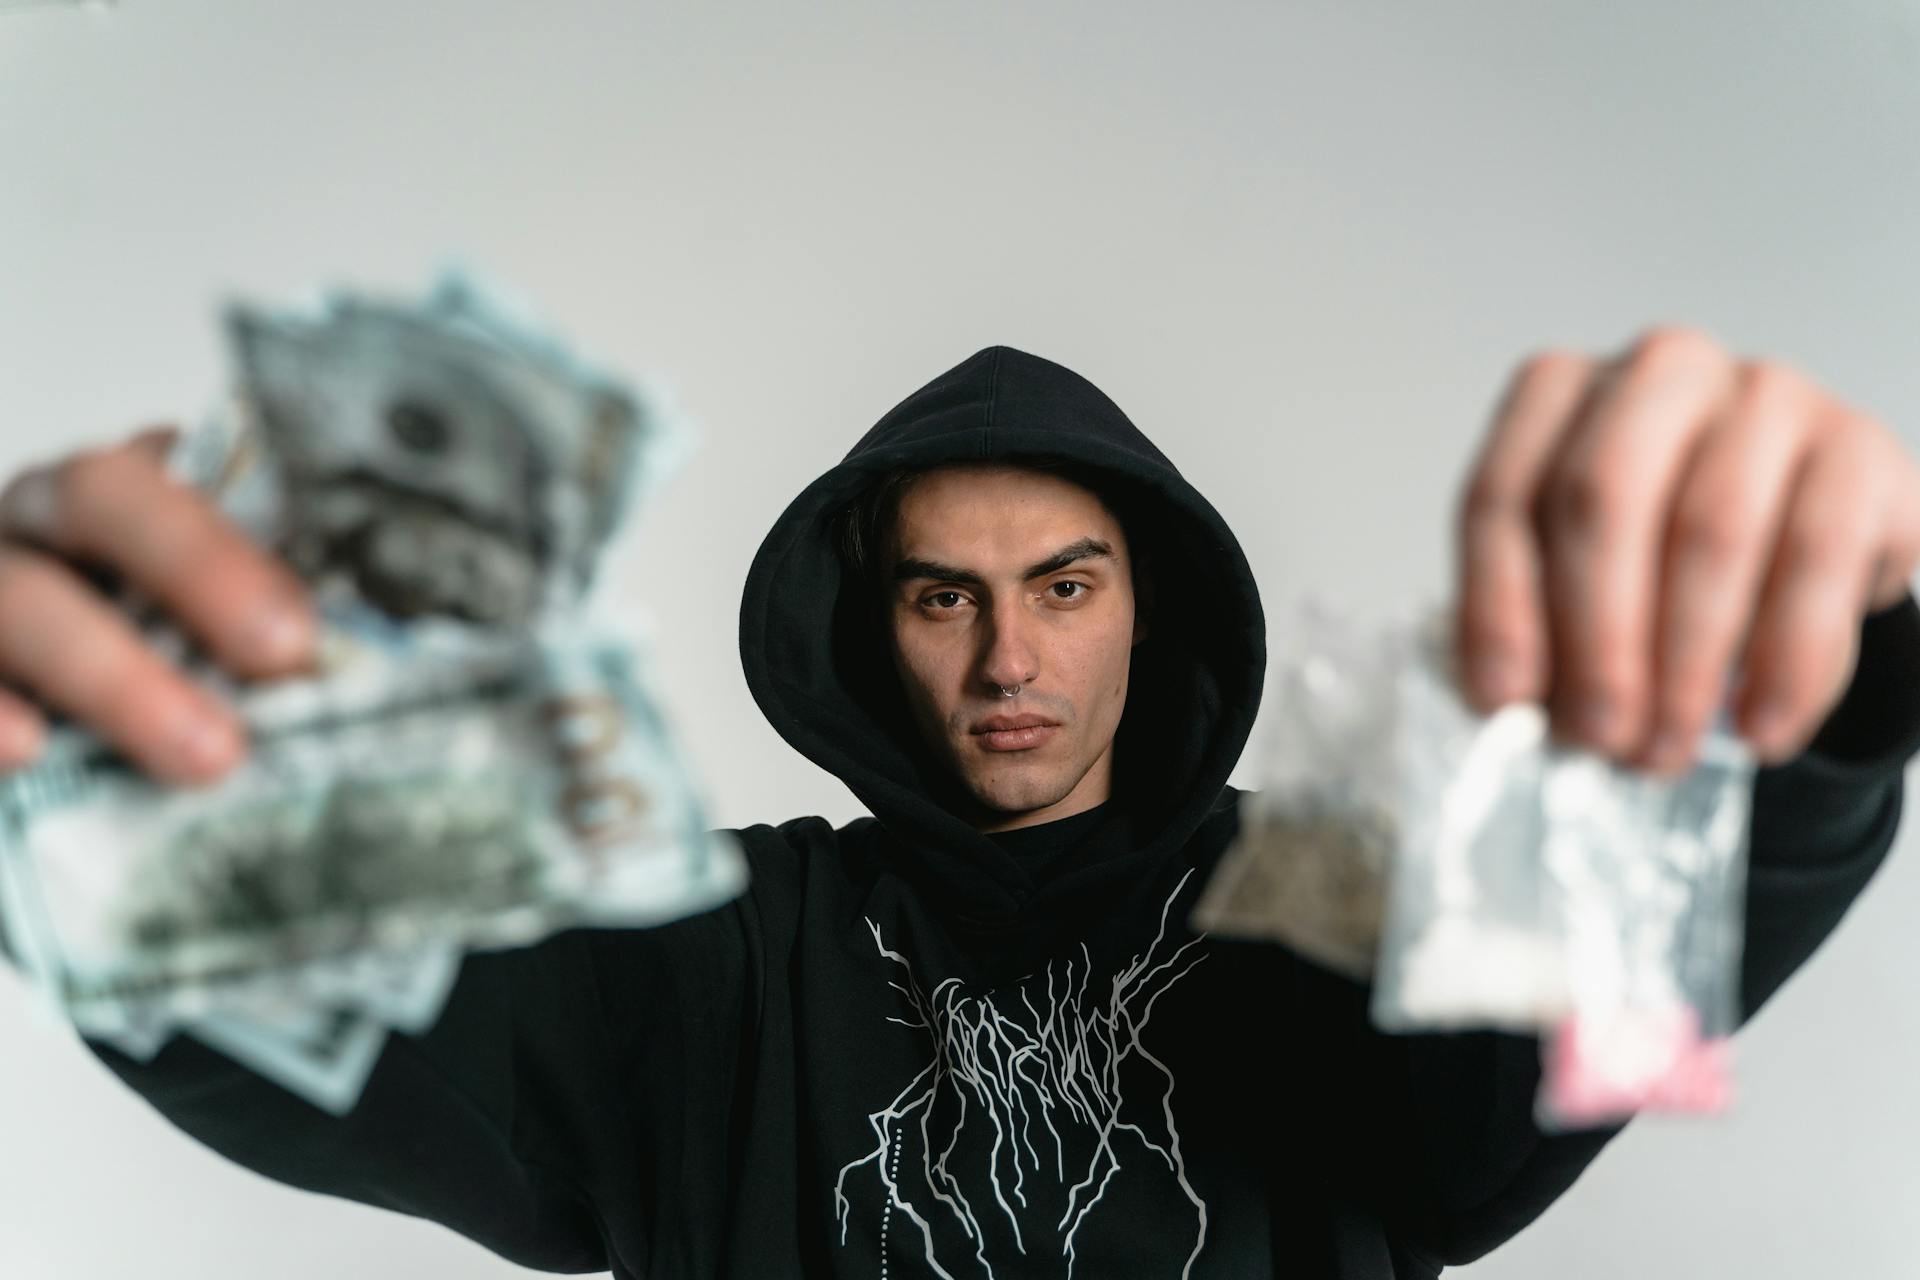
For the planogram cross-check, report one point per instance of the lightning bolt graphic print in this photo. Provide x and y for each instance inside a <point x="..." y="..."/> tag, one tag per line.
<point x="1033" y="1081"/>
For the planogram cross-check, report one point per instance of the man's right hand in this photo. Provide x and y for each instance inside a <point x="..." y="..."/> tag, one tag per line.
<point x="64" y="646"/>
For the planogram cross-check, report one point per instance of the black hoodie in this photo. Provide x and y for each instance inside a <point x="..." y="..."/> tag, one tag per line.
<point x="913" y="1050"/>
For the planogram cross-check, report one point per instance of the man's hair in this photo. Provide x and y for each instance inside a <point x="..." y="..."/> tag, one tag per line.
<point x="862" y="527"/>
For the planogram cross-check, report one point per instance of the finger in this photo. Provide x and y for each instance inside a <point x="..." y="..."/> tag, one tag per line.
<point x="1601" y="515"/>
<point x="156" y="441"/>
<point x="1722" y="525"/>
<point x="117" y="507"/>
<point x="1805" y="636"/>
<point x="62" y="643"/>
<point x="23" y="732"/>
<point x="1900" y="555"/>
<point x="30" y="505"/>
<point x="1500" y="632"/>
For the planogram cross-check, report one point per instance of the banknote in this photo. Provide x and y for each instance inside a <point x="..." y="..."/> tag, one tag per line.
<point x="430" y="469"/>
<point x="401" y="990"/>
<point x="483" y="804"/>
<point x="324" y="1055"/>
<point x="323" y="1041"/>
<point x="476" y="759"/>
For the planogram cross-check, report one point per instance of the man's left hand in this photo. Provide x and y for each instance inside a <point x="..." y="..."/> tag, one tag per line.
<point x="1638" y="531"/>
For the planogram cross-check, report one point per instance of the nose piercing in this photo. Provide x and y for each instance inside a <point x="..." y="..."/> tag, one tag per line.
<point x="1009" y="690"/>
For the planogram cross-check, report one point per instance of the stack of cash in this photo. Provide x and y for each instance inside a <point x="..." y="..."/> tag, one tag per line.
<point x="474" y="762"/>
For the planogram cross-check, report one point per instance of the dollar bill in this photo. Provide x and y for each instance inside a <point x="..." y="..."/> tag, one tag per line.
<point x="323" y="1045"/>
<point x="428" y="466"/>
<point x="483" y="804"/>
<point x="401" y="990"/>
<point x="475" y="760"/>
<point x="324" y="1055"/>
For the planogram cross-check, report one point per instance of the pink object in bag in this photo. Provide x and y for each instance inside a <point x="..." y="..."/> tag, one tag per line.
<point x="1601" y="1068"/>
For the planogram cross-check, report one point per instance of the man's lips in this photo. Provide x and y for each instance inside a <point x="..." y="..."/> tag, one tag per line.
<point x="1011" y="722"/>
<point x="1014" y="733"/>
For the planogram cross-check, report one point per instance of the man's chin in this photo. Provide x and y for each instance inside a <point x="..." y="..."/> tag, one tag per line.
<point x="996" y="797"/>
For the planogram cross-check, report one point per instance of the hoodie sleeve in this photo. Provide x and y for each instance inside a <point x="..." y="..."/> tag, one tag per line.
<point x="450" y="1126"/>
<point x="1457" y="1164"/>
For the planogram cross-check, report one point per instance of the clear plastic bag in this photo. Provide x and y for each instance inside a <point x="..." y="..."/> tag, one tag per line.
<point x="1481" y="875"/>
<point x="1546" y="889"/>
<point x="1317" y="840"/>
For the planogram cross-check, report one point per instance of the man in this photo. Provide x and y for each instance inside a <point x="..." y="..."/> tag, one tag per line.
<point x="971" y="1035"/>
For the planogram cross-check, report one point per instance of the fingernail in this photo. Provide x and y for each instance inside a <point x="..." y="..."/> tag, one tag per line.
<point x="158" y="441"/>
<point x="1766" y="725"/>
<point x="1667" y="748"/>
<point x="1492" y="676"/>
<point x="1597" y="719"/>
<point x="282" y="634"/>
<point x="205" y="743"/>
<point x="30" y="507"/>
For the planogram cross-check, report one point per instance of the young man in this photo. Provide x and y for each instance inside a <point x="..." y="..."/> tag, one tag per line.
<point x="972" y="1035"/>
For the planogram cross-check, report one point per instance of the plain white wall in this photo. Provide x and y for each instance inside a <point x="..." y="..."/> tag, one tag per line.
<point x="1302" y="244"/>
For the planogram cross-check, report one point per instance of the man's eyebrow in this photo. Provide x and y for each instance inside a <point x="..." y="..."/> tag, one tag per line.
<point x="914" y="568"/>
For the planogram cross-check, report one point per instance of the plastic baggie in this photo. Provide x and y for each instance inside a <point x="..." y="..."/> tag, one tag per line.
<point x="1482" y="876"/>
<point x="1317" y="840"/>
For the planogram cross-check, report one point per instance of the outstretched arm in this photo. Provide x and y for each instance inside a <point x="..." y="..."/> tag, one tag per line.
<point x="448" y="1127"/>
<point x="501" y="1122"/>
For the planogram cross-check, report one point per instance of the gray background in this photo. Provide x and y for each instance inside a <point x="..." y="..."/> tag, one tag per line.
<point x="1302" y="244"/>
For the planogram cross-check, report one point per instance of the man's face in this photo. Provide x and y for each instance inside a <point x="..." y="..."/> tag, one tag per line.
<point x="1002" y="577"/>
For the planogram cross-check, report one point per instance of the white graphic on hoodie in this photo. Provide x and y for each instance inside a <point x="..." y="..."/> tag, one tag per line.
<point x="1030" y="1076"/>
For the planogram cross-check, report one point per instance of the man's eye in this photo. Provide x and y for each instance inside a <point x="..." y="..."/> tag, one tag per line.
<point x="1076" y="595"/>
<point x="939" y="595"/>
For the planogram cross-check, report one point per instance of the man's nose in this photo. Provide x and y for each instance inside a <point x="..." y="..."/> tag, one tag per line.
<point x="1010" y="658"/>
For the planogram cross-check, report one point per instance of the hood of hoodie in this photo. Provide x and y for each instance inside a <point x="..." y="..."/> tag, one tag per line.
<point x="822" y="673"/>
